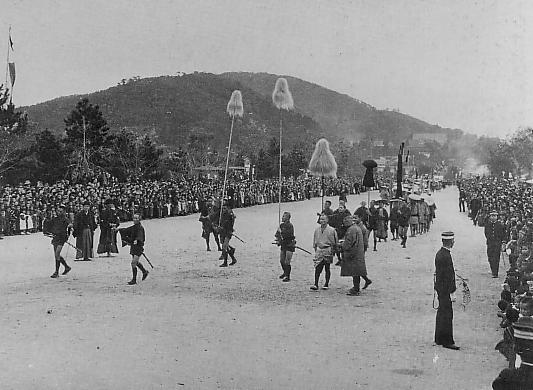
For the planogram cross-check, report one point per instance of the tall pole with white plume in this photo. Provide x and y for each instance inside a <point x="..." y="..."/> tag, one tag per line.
<point x="282" y="99"/>
<point x="234" y="109"/>
<point x="323" y="163"/>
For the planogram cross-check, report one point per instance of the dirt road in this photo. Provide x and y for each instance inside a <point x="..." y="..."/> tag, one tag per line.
<point x="193" y="325"/>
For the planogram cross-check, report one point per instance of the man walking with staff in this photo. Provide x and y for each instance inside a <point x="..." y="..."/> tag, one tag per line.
<point x="227" y="220"/>
<point x="135" y="237"/>
<point x="59" y="230"/>
<point x="287" y="241"/>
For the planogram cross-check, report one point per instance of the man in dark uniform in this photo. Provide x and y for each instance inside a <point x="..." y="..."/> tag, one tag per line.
<point x="495" y="235"/>
<point x="84" y="227"/>
<point x="58" y="227"/>
<point x="227" y="221"/>
<point x="445" y="287"/>
<point x="287" y="241"/>
<point x="136" y="239"/>
<point x="475" y="206"/>
<point x="462" y="200"/>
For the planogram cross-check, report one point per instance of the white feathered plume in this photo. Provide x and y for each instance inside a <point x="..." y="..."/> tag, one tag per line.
<point x="235" y="107"/>
<point x="323" y="162"/>
<point x="282" y="97"/>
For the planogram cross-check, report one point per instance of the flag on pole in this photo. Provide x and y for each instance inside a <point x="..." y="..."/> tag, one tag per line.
<point x="12" y="73"/>
<point x="10" y="62"/>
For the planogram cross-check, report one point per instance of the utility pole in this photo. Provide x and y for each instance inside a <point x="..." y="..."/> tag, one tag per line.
<point x="85" y="162"/>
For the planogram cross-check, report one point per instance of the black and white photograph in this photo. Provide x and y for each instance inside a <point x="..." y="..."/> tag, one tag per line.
<point x="245" y="194"/>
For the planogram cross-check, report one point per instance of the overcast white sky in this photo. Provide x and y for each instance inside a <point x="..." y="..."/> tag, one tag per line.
<point x="461" y="64"/>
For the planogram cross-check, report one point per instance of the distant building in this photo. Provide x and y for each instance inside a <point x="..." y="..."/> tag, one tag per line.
<point x="387" y="163"/>
<point x="421" y="138"/>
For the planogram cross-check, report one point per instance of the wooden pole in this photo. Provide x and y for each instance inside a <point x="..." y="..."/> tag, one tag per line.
<point x="226" y="170"/>
<point x="7" y="60"/>
<point x="279" y="189"/>
<point x="322" y="193"/>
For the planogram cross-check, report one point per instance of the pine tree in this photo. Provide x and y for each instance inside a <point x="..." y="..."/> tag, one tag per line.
<point x="50" y="157"/>
<point x="96" y="129"/>
<point x="87" y="141"/>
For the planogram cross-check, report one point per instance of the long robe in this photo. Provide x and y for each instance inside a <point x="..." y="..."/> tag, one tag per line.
<point x="382" y="218"/>
<point x="353" y="260"/>
<point x="108" y="236"/>
<point x="84" y="227"/>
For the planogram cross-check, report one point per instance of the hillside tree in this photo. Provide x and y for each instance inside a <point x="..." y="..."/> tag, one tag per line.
<point x="134" y="156"/>
<point x="295" y="161"/>
<point x="86" y="139"/>
<point x="50" y="157"/>
<point x="500" y="159"/>
<point x="13" y="133"/>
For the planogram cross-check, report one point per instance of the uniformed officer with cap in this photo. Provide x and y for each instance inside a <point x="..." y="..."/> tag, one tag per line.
<point x="445" y="288"/>
<point x="495" y="235"/>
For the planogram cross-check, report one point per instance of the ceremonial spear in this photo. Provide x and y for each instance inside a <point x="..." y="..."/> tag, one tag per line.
<point x="282" y="99"/>
<point x="234" y="108"/>
<point x="399" y="173"/>
<point x="323" y="163"/>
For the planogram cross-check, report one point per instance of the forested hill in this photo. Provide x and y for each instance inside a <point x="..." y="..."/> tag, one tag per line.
<point x="174" y="107"/>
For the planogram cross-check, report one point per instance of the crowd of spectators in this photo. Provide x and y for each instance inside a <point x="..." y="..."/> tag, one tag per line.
<point x="23" y="208"/>
<point x="513" y="200"/>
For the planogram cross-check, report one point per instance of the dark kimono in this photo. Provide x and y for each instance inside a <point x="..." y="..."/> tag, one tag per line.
<point x="108" y="237"/>
<point x="84" y="227"/>
<point x="382" y="219"/>
<point x="353" y="247"/>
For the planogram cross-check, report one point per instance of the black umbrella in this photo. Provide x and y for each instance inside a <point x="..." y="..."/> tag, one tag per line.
<point x="368" y="180"/>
